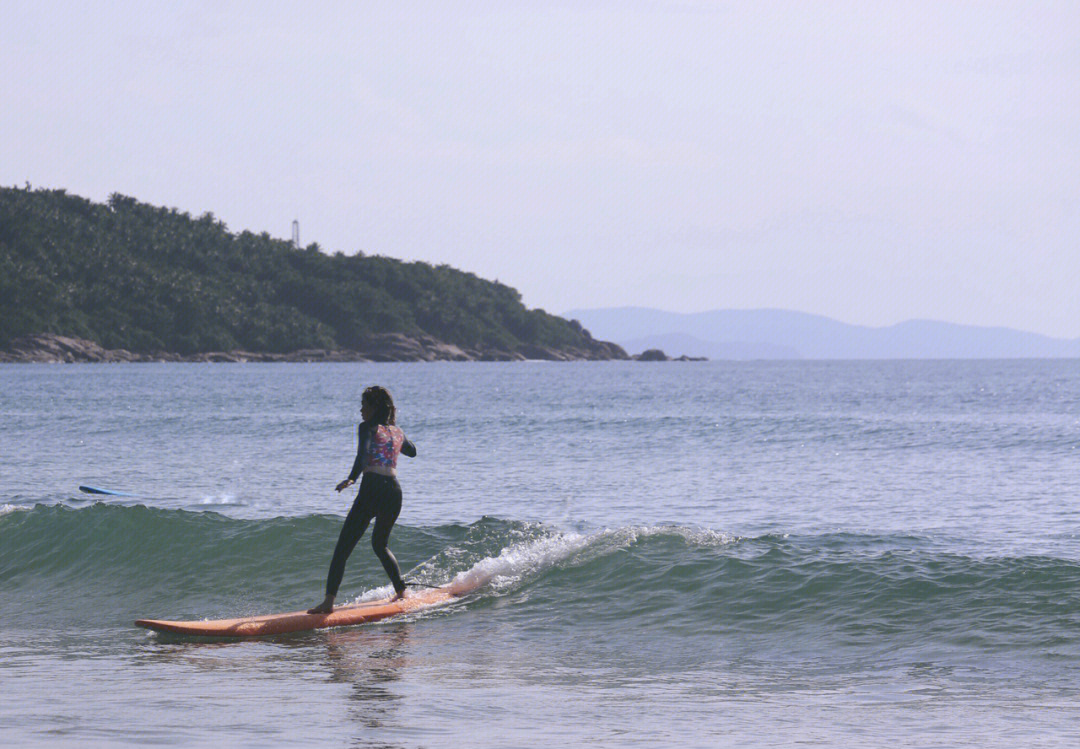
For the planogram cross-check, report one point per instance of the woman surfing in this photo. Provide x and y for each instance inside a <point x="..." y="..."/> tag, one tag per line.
<point x="380" y="443"/>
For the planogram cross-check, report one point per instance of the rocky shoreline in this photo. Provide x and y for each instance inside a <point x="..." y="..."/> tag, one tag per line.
<point x="388" y="347"/>
<point x="655" y="354"/>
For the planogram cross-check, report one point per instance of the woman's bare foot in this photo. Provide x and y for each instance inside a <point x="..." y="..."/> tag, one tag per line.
<point x="323" y="608"/>
<point x="398" y="596"/>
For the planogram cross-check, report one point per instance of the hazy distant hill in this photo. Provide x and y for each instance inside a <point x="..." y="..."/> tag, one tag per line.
<point x="780" y="334"/>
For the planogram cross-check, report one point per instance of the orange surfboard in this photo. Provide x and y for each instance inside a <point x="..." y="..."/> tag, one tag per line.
<point x="300" y="621"/>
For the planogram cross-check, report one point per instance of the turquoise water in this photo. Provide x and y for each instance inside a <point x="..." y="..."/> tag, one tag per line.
<point x="690" y="554"/>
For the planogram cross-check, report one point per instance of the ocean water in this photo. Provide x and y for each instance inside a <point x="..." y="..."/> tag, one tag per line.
<point x="681" y="554"/>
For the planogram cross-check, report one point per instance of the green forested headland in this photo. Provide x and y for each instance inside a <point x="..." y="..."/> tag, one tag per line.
<point x="133" y="276"/>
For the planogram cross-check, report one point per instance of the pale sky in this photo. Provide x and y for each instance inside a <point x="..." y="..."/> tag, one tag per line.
<point x="869" y="161"/>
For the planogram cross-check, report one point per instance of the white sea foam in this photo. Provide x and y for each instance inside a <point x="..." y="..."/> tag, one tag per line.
<point x="375" y="594"/>
<point x="507" y="568"/>
<point x="223" y="500"/>
<point x="5" y="509"/>
<point x="692" y="536"/>
<point x="519" y="561"/>
<point x="525" y="559"/>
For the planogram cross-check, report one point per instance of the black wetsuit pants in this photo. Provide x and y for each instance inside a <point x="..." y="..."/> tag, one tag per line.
<point x="380" y="498"/>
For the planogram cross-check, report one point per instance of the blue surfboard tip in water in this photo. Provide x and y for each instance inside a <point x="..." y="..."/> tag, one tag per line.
<point x="110" y="492"/>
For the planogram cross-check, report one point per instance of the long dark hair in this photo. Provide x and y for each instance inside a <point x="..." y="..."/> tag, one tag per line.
<point x="380" y="400"/>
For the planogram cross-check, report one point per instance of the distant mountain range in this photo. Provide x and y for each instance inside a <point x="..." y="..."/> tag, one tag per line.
<point x="782" y="334"/>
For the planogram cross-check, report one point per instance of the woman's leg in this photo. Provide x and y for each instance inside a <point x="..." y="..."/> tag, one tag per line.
<point x="355" y="524"/>
<point x="387" y="509"/>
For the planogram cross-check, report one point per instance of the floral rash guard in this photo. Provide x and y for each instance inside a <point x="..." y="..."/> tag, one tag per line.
<point x="378" y="448"/>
